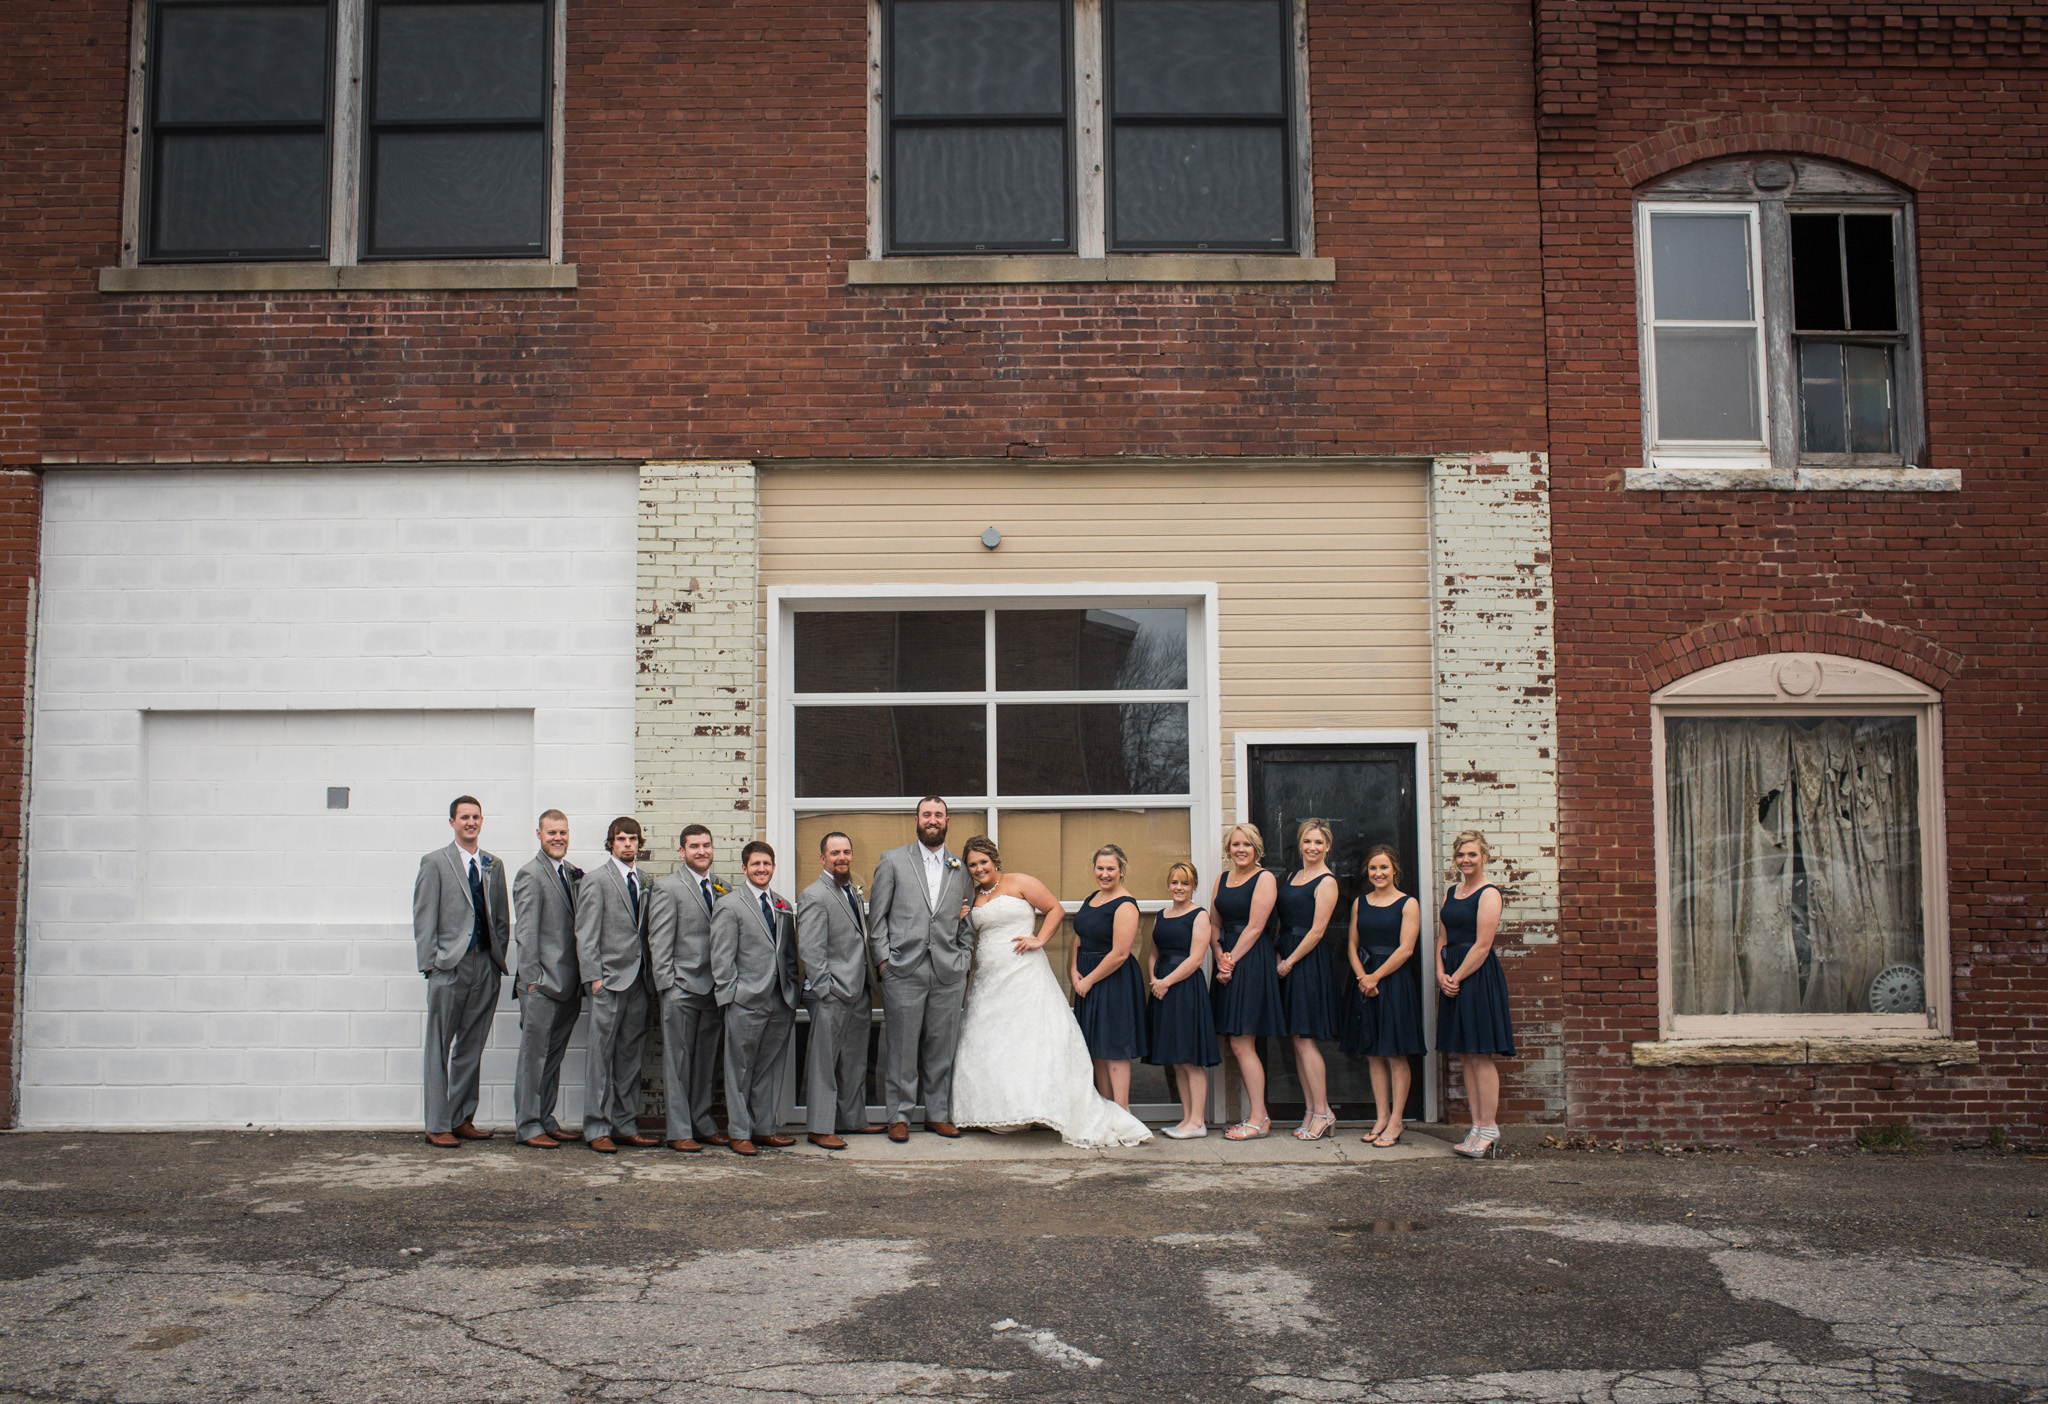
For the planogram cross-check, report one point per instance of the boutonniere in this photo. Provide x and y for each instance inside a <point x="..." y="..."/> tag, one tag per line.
<point x="720" y="889"/>
<point x="952" y="862"/>
<point x="488" y="860"/>
<point x="574" y="871"/>
<point x="780" y="905"/>
<point x="860" y="892"/>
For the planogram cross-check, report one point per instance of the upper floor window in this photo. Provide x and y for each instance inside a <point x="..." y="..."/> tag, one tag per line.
<point x="256" y="145"/>
<point x="1778" y="318"/>
<point x="991" y="144"/>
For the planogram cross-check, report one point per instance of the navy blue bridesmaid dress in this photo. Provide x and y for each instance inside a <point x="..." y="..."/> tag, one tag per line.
<point x="1308" y="1000"/>
<point x="1388" y="1025"/>
<point x="1476" y="1019"/>
<point x="1112" y="1014"/>
<point x="1180" y="1027"/>
<point x="1248" y="1003"/>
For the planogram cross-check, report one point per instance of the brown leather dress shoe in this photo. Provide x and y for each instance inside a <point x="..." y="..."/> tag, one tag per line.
<point x="873" y="1128"/>
<point x="824" y="1142"/>
<point x="603" y="1145"/>
<point x="442" y="1139"/>
<point x="566" y="1135"/>
<point x="718" y="1138"/>
<point x="899" y="1131"/>
<point x="943" y="1128"/>
<point x="639" y="1138"/>
<point x="542" y="1142"/>
<point x="687" y="1146"/>
<point x="778" y="1141"/>
<point x="468" y="1132"/>
<point x="744" y="1148"/>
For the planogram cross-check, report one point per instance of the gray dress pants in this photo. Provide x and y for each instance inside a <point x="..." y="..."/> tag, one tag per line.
<point x="690" y="1028"/>
<point x="920" y="1033"/>
<point x="611" y="1084"/>
<point x="459" y="1007"/>
<point x="544" y="1028"/>
<point x="756" y="1046"/>
<point x="836" y="1075"/>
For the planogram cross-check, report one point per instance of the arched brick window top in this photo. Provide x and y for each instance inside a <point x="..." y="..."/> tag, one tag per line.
<point x="1775" y="178"/>
<point x="1801" y="880"/>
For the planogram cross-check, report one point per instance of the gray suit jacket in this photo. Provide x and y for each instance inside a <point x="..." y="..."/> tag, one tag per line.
<point x="679" y="932"/>
<point x="610" y="945"/>
<point x="749" y="961"/>
<point x="834" y="946"/>
<point x="903" y="923"/>
<point x="546" y="929"/>
<point x="442" y="916"/>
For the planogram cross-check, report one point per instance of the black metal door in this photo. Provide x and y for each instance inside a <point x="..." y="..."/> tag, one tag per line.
<point x="1367" y="795"/>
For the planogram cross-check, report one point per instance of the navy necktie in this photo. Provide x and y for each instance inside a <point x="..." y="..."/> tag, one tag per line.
<point x="854" y="902"/>
<point x="767" y="914"/>
<point x="633" y="892"/>
<point x="567" y="891"/>
<point x="704" y="886"/>
<point x="480" y="916"/>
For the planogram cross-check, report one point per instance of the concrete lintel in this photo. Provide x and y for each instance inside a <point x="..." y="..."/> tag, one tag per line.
<point x="327" y="277"/>
<point x="1799" y="1052"/>
<point x="1116" y="268"/>
<point x="1704" y="479"/>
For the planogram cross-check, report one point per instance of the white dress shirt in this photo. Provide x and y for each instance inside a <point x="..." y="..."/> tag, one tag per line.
<point x="934" y="874"/>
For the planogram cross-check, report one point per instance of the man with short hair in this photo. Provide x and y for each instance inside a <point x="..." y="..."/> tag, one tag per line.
<point x="832" y="939"/>
<point x="753" y="965"/>
<point x="923" y="948"/>
<point x="611" y="951"/>
<point x="547" y="986"/>
<point x="461" y="927"/>
<point x="679" y="947"/>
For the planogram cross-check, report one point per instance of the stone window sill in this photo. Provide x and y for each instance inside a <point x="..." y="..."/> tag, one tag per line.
<point x="1117" y="268"/>
<point x="448" y="276"/>
<point x="1799" y="1052"/>
<point x="1697" y="475"/>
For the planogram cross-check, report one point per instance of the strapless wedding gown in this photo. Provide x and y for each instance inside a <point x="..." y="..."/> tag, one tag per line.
<point x="1021" y="1059"/>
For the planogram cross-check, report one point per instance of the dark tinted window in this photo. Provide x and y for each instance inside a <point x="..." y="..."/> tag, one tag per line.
<point x="891" y="651"/>
<point x="1051" y="650"/>
<point x="456" y="141"/>
<point x="1200" y="125"/>
<point x="1092" y="749"/>
<point x="236" y="160"/>
<point x="887" y="752"/>
<point x="979" y="144"/>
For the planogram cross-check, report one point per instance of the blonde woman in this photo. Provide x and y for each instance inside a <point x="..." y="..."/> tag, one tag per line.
<point x="1109" y="996"/>
<point x="1308" y="1000"/>
<point x="1247" y="994"/>
<point x="1385" y="1027"/>
<point x="1472" y="1019"/>
<point x="1182" y="1031"/>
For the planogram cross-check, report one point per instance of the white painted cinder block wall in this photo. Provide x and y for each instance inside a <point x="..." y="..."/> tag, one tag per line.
<point x="215" y="648"/>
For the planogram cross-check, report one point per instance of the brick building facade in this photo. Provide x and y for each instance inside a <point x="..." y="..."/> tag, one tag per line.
<point x="1416" y="419"/>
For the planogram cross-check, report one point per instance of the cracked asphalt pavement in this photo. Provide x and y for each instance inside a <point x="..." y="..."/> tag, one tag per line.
<point x="346" y="1267"/>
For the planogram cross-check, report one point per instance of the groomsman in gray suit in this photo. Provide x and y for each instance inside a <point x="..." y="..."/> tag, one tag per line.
<point x="546" y="985"/>
<point x="611" y="949"/>
<point x="461" y="927"/>
<point x="679" y="943"/>
<point x="923" y="949"/>
<point x="753" y="963"/>
<point x="832" y="938"/>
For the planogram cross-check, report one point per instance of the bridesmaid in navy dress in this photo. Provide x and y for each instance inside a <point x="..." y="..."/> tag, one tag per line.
<point x="1246" y="997"/>
<point x="1472" y="1017"/>
<point x="1109" y="995"/>
<point x="1308" y="1000"/>
<point x="1181" y="1031"/>
<point x="1385" y="1027"/>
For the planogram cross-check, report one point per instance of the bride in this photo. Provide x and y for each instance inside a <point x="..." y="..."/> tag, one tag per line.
<point x="1022" y="1060"/>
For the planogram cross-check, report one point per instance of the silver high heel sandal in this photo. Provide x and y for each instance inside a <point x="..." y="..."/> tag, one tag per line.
<point x="1482" y="1144"/>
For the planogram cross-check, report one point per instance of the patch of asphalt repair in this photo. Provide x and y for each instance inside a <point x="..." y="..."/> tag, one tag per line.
<point x="341" y="1267"/>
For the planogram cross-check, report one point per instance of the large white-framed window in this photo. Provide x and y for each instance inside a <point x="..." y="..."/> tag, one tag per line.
<point x="1801" y="873"/>
<point x="1779" y="328"/>
<point x="1054" y="719"/>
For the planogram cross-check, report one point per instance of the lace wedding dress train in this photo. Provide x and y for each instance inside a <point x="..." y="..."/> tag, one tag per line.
<point x="1021" y="1059"/>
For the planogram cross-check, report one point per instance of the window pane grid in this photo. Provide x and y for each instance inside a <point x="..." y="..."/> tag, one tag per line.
<point x="1705" y="339"/>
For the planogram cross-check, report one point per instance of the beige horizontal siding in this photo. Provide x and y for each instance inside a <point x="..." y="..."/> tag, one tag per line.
<point x="1322" y="574"/>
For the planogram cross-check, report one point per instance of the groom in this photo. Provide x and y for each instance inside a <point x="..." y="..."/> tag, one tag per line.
<point x="923" y="951"/>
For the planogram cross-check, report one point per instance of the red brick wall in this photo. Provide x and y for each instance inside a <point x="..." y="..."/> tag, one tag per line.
<point x="21" y="511"/>
<point x="715" y="174"/>
<point x="1950" y="100"/>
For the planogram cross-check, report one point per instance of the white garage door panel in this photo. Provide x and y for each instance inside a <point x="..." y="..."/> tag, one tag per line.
<point x="238" y="827"/>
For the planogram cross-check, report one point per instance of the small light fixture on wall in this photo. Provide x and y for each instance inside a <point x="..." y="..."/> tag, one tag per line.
<point x="991" y="538"/>
<point x="337" y="797"/>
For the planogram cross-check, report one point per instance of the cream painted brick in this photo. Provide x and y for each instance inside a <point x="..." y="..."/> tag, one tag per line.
<point x="46" y="1105"/>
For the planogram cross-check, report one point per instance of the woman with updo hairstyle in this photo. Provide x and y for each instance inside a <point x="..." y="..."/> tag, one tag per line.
<point x="1308" y="1001"/>
<point x="1385" y="1022"/>
<point x="1246" y="999"/>
<point x="1109" y="996"/>
<point x="1472" y="1018"/>
<point x="1180" y="1029"/>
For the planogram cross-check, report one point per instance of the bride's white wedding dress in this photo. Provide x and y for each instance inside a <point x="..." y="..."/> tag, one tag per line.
<point x="1022" y="1060"/>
